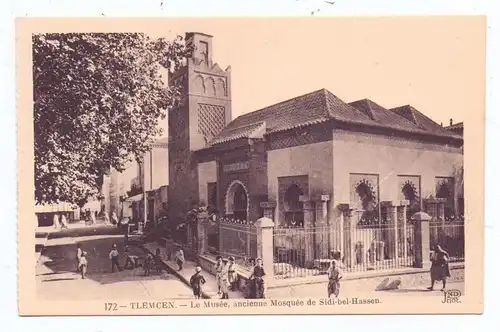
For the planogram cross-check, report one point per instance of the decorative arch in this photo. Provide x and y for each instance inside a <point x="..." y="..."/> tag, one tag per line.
<point x="199" y="84"/>
<point x="210" y="85"/>
<point x="236" y="200"/>
<point x="411" y="193"/>
<point x="367" y="203"/>
<point x="221" y="87"/>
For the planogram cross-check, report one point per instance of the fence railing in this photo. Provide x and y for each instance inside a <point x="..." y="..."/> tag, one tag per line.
<point x="302" y="252"/>
<point x="449" y="235"/>
<point x="237" y="238"/>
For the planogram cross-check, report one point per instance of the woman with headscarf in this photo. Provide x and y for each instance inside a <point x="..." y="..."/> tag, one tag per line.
<point x="440" y="269"/>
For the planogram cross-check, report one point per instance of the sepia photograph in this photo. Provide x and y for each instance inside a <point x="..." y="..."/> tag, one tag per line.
<point x="250" y="166"/>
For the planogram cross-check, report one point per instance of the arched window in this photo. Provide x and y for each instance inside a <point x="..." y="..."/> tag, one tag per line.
<point x="294" y="210"/>
<point x="410" y="193"/>
<point x="368" y="214"/>
<point x="445" y="190"/>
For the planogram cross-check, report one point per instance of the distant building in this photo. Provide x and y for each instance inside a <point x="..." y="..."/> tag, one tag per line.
<point x="151" y="178"/>
<point x="457" y="128"/>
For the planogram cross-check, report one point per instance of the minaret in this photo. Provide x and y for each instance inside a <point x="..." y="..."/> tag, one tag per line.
<point x="204" y="110"/>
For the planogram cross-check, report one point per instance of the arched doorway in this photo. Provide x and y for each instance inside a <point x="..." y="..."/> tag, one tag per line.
<point x="237" y="201"/>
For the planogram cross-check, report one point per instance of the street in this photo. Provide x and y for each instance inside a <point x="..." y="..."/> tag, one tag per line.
<point x="57" y="278"/>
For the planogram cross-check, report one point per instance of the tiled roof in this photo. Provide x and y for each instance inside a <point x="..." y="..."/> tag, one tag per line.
<point x="321" y="106"/>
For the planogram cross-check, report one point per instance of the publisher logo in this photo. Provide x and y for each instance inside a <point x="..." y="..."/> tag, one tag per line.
<point x="452" y="296"/>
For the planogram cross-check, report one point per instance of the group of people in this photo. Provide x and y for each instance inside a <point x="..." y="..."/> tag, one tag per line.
<point x="60" y="223"/>
<point x="226" y="276"/>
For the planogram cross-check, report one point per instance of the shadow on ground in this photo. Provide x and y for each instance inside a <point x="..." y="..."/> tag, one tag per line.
<point x="60" y="259"/>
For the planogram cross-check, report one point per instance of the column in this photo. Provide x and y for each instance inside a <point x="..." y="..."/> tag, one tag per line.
<point x="322" y="234"/>
<point x="346" y="230"/>
<point x="265" y="247"/>
<point x="422" y="241"/>
<point x="404" y="226"/>
<point x="201" y="245"/>
<point x="309" y="210"/>
<point x="393" y="230"/>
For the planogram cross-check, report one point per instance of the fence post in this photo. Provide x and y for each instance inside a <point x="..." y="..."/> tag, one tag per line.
<point x="265" y="246"/>
<point x="201" y="235"/>
<point x="322" y="235"/>
<point x="309" y="210"/>
<point x="422" y="239"/>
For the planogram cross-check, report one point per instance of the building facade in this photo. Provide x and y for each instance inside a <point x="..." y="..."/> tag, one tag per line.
<point x="305" y="161"/>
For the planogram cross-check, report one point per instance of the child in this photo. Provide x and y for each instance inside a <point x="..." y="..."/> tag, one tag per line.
<point x="334" y="276"/>
<point x="158" y="260"/>
<point x="218" y="273"/>
<point x="79" y="252"/>
<point x="258" y="279"/>
<point x="130" y="259"/>
<point x="232" y="275"/>
<point x="197" y="280"/>
<point x="179" y="257"/>
<point x="250" y="285"/>
<point x="224" y="282"/>
<point x="114" y="257"/>
<point x="147" y="264"/>
<point x="82" y="264"/>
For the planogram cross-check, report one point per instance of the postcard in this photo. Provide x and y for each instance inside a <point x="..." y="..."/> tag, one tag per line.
<point x="198" y="166"/>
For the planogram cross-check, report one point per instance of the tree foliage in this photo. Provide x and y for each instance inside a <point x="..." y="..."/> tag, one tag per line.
<point x="98" y="99"/>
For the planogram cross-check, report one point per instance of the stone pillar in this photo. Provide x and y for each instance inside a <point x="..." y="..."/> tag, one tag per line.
<point x="321" y="236"/>
<point x="265" y="247"/>
<point x="309" y="210"/>
<point x="201" y="236"/>
<point x="422" y="241"/>
<point x="346" y="234"/>
<point x="404" y="226"/>
<point x="269" y="208"/>
<point x="391" y="229"/>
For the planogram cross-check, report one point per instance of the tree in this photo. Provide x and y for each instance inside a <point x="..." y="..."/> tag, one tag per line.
<point x="98" y="99"/>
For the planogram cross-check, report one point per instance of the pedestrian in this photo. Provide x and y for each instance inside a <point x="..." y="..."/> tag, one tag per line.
<point x="197" y="280"/>
<point x="114" y="257"/>
<point x="106" y="218"/>
<point x="56" y="221"/>
<point x="147" y="264"/>
<point x="440" y="269"/>
<point x="258" y="279"/>
<point x="64" y="222"/>
<point x="130" y="259"/>
<point x="92" y="217"/>
<point x="79" y="253"/>
<point x="232" y="274"/>
<point x="250" y="284"/>
<point x="224" y="282"/>
<point x="158" y="261"/>
<point x="179" y="258"/>
<point x="334" y="276"/>
<point x="82" y="264"/>
<point x="218" y="273"/>
<point x="114" y="218"/>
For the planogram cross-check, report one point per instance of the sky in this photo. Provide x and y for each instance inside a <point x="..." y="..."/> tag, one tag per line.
<point x="434" y="64"/>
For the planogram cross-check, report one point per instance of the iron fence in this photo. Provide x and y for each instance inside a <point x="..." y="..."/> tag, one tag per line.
<point x="449" y="235"/>
<point x="237" y="238"/>
<point x="302" y="252"/>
